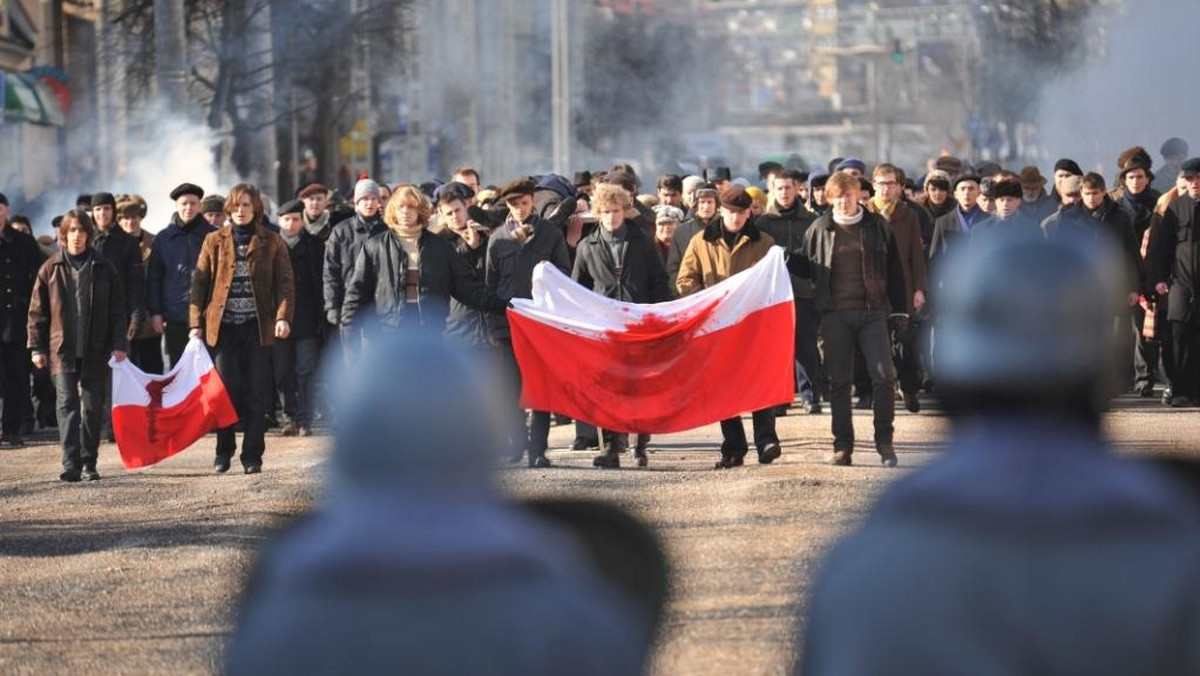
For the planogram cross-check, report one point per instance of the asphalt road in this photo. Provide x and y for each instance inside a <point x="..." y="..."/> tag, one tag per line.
<point x="140" y="572"/>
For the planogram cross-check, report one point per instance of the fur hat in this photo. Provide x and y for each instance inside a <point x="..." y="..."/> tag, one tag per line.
<point x="717" y="174"/>
<point x="1005" y="188"/>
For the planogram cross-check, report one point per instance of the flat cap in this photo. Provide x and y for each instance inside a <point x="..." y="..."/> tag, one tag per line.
<point x="187" y="189"/>
<point x="290" y="207"/>
<point x="517" y="187"/>
<point x="312" y="189"/>
<point x="736" y="198"/>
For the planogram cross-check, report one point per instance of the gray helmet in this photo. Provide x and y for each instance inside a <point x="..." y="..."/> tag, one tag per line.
<point x="1024" y="311"/>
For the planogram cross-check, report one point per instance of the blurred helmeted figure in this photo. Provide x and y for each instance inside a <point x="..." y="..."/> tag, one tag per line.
<point x="1029" y="548"/>
<point x="415" y="564"/>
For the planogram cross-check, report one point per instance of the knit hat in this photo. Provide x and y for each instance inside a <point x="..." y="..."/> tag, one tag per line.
<point x="365" y="188"/>
<point x="1068" y="165"/>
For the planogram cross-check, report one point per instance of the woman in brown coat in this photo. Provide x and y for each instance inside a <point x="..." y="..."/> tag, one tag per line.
<point x="242" y="299"/>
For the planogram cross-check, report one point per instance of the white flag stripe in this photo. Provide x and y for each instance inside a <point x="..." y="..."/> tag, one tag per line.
<point x="129" y="382"/>
<point x="558" y="301"/>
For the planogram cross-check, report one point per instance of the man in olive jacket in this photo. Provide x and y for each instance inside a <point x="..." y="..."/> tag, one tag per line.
<point x="723" y="249"/>
<point x="858" y="289"/>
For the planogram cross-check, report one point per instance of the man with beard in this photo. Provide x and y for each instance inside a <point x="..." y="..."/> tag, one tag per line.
<point x="341" y="250"/>
<point x="1037" y="203"/>
<point x="317" y="219"/>
<point x="170" y="267"/>
<point x="705" y="215"/>
<point x="787" y="221"/>
<point x="514" y="249"/>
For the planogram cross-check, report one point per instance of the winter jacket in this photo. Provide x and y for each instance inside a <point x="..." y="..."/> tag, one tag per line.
<point x="379" y="276"/>
<point x="788" y="228"/>
<point x="883" y="274"/>
<point x="642" y="278"/>
<point x="122" y="250"/>
<point x="172" y="261"/>
<point x="308" y="259"/>
<point x="709" y="259"/>
<point x="341" y="250"/>
<point x="465" y="323"/>
<point x="53" y="334"/>
<point x="680" y="239"/>
<point x="1115" y="223"/>
<point x="1026" y="548"/>
<point x="508" y="271"/>
<point x="949" y="228"/>
<point x="905" y="226"/>
<point x="270" y="276"/>
<point x="145" y="245"/>
<point x="1174" y="258"/>
<point x="20" y="259"/>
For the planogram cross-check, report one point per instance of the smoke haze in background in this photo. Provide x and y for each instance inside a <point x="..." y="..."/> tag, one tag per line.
<point x="1141" y="92"/>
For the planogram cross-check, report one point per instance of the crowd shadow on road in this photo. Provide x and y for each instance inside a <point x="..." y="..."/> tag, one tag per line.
<point x="69" y="537"/>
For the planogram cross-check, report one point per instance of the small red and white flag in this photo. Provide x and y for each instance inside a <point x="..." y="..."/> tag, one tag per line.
<point x="658" y="368"/>
<point x="156" y="416"/>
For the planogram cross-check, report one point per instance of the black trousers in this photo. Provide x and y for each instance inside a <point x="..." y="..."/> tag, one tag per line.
<point x="176" y="335"/>
<point x="15" y="362"/>
<point x="906" y="358"/>
<point x="146" y="354"/>
<point x="45" y="399"/>
<point x="537" y="436"/>
<point x="843" y="332"/>
<point x="80" y="402"/>
<point x="813" y="385"/>
<point x="245" y="366"/>
<point x="1185" y="342"/>
<point x="733" y="434"/>
<point x="294" y="362"/>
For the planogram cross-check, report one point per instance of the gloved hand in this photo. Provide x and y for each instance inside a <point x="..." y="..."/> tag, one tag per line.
<point x="331" y="316"/>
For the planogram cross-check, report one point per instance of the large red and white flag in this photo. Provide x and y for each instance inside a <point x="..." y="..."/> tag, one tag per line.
<point x="155" y="417"/>
<point x="658" y="368"/>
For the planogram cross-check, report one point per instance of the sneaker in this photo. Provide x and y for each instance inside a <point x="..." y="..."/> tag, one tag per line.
<point x="221" y="465"/>
<point x="289" y="430"/>
<point x="841" y="458"/>
<point x="911" y="402"/>
<point x="90" y="474"/>
<point x="70" y="476"/>
<point x="540" y="462"/>
<point x="769" y="454"/>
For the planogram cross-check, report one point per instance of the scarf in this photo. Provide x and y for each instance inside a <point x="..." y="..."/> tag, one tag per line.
<point x="848" y="220"/>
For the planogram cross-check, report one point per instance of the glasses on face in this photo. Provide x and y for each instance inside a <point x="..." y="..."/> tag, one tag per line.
<point x="886" y="184"/>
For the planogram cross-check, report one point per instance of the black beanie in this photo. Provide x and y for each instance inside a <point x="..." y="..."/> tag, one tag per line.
<point x="3" y="199"/>
<point x="1068" y="165"/>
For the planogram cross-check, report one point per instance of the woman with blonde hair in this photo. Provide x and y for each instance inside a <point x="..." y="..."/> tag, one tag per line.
<point x="407" y="275"/>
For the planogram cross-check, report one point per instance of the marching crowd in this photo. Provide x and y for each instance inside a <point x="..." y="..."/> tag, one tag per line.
<point x="269" y="290"/>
